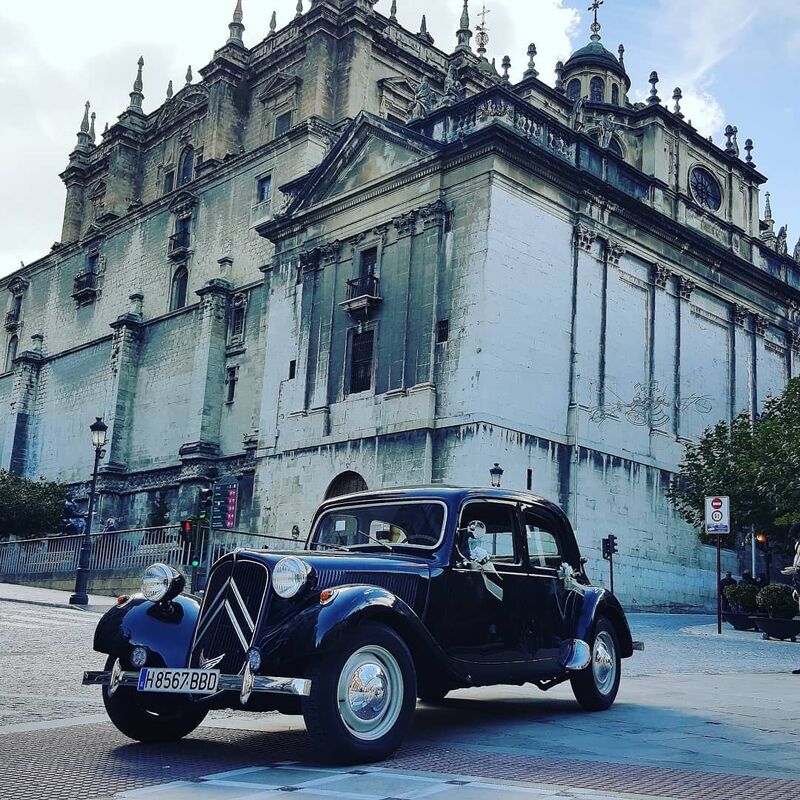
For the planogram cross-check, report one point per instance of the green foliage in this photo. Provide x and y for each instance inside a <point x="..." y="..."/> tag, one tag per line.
<point x="29" y="508"/>
<point x="756" y="463"/>
<point x="742" y="597"/>
<point x="777" y="600"/>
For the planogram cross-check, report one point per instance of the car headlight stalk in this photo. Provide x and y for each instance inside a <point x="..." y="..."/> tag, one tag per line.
<point x="290" y="576"/>
<point x="161" y="582"/>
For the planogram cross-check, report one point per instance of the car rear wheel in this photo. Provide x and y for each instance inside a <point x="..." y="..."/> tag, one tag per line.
<point x="596" y="686"/>
<point x="166" y="718"/>
<point x="362" y="697"/>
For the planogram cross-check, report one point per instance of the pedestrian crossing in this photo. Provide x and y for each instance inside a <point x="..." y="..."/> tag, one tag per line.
<point x="30" y="617"/>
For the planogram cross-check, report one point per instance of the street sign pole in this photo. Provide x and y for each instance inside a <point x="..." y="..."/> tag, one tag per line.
<point x="718" y="523"/>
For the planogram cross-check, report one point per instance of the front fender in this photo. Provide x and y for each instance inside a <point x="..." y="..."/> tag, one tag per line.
<point x="165" y="630"/>
<point x="600" y="602"/>
<point x="319" y="628"/>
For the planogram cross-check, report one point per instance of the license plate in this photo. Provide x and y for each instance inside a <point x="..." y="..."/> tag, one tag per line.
<point x="179" y="681"/>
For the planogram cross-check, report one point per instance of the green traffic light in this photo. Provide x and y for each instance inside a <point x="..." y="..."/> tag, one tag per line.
<point x="195" y="562"/>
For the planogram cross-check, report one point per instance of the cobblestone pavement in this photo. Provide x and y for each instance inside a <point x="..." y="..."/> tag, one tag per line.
<point x="727" y="730"/>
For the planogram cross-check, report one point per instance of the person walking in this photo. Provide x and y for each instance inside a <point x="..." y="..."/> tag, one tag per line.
<point x="727" y="581"/>
<point x="794" y="570"/>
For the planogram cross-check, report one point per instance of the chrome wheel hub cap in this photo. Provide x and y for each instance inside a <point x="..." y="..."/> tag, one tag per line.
<point x="370" y="692"/>
<point x="604" y="662"/>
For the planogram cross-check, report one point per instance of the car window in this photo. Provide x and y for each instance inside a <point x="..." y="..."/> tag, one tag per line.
<point x="544" y="549"/>
<point x="498" y="541"/>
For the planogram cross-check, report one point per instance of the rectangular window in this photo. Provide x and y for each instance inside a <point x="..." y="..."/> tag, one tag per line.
<point x="169" y="181"/>
<point x="499" y="540"/>
<point x="448" y="222"/>
<point x="283" y="123"/>
<point x="93" y="263"/>
<point x="237" y="323"/>
<point x="231" y="381"/>
<point x="543" y="547"/>
<point x="292" y="370"/>
<point x="367" y="262"/>
<point x="361" y="361"/>
<point x="529" y="482"/>
<point x="264" y="189"/>
<point x="442" y="331"/>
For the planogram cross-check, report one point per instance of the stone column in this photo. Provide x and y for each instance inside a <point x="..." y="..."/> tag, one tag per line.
<point x="406" y="226"/>
<point x="320" y="400"/>
<point x="27" y="368"/>
<point x="685" y="288"/>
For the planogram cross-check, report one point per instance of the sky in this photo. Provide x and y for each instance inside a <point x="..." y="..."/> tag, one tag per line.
<point x="737" y="62"/>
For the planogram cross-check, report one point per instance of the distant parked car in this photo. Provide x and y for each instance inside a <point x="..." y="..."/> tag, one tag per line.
<point x="399" y="595"/>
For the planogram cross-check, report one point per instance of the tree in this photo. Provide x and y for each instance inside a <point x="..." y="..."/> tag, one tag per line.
<point x="30" y="508"/>
<point x="755" y="462"/>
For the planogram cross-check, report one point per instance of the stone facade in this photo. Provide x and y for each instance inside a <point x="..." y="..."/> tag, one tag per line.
<point x="348" y="253"/>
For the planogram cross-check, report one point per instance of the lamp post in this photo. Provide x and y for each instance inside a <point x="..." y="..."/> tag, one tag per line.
<point x="496" y="474"/>
<point x="80" y="596"/>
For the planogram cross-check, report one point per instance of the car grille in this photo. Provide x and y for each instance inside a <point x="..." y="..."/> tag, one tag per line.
<point x="230" y="614"/>
<point x="406" y="587"/>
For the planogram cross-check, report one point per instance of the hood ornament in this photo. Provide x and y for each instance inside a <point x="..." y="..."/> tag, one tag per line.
<point x="209" y="663"/>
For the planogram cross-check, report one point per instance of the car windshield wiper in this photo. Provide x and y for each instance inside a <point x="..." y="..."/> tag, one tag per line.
<point x="376" y="541"/>
<point x="341" y="547"/>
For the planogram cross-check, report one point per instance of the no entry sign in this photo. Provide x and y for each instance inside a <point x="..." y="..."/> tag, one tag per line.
<point x="718" y="515"/>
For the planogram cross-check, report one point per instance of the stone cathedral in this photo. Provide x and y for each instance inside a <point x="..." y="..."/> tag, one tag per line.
<point x="347" y="257"/>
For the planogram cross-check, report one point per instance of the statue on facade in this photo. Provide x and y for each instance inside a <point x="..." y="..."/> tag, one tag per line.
<point x="607" y="128"/>
<point x="796" y="254"/>
<point x="422" y="104"/>
<point x="578" y="115"/>
<point x="453" y="89"/>
<point x="782" y="242"/>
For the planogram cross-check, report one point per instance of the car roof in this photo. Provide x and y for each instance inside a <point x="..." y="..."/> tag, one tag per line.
<point x="453" y="495"/>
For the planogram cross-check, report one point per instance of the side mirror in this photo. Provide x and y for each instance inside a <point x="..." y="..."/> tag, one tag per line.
<point x="476" y="529"/>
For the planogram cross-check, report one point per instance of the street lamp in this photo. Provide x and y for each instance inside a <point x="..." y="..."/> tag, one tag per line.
<point x="496" y="474"/>
<point x="80" y="596"/>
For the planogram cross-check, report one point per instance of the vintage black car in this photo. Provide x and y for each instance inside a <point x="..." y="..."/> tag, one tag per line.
<point x="399" y="595"/>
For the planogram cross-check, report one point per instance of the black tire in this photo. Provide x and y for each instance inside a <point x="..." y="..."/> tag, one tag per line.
<point x="343" y="733"/>
<point x="166" y="718"/>
<point x="595" y="688"/>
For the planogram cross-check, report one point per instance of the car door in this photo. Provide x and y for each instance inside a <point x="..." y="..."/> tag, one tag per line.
<point x="546" y="547"/>
<point x="486" y="609"/>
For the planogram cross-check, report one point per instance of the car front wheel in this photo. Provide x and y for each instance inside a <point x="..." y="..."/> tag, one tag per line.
<point x="596" y="686"/>
<point x="166" y="718"/>
<point x="362" y="697"/>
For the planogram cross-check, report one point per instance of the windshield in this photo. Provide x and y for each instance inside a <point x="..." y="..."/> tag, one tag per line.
<point x="388" y="524"/>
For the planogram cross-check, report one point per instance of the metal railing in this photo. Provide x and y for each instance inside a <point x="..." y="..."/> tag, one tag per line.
<point x="127" y="550"/>
<point x="84" y="282"/>
<point x="365" y="286"/>
<point x="179" y="241"/>
<point x="12" y="318"/>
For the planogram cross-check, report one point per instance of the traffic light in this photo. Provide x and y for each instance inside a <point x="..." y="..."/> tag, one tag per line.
<point x="610" y="546"/>
<point x="204" y="505"/>
<point x="191" y="541"/>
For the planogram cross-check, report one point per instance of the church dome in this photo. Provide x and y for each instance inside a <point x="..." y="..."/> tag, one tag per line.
<point x="595" y="55"/>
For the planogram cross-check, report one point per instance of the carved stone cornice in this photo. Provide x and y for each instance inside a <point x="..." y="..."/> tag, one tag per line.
<point x="18" y="286"/>
<point x="329" y="253"/>
<point x="406" y="223"/>
<point x="310" y="260"/>
<point x="760" y="324"/>
<point x="183" y="204"/>
<point x="433" y="215"/>
<point x="685" y="287"/>
<point x="661" y="276"/>
<point x="740" y="314"/>
<point x="614" y="252"/>
<point x="381" y="232"/>
<point x="793" y="312"/>
<point x="793" y="340"/>
<point x="585" y="237"/>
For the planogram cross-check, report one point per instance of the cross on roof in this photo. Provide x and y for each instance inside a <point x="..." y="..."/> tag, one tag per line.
<point x="595" y="6"/>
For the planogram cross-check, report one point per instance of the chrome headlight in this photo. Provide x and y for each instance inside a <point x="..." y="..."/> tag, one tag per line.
<point x="161" y="582"/>
<point x="290" y="576"/>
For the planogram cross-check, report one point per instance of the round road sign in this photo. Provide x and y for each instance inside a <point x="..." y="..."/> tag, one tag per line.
<point x="716" y="504"/>
<point x="716" y="516"/>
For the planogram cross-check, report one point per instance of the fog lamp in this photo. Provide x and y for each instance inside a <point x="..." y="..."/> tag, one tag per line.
<point x="138" y="657"/>
<point x="254" y="659"/>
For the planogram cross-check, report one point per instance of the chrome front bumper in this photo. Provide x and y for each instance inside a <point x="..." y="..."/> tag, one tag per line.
<point x="243" y="684"/>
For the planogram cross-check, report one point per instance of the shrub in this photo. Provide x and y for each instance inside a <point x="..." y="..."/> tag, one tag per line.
<point x="742" y="597"/>
<point x="778" y="601"/>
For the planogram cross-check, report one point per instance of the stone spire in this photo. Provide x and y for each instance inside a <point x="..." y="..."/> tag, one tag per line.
<point x="677" y="96"/>
<point x="531" y="72"/>
<point x="170" y="91"/>
<point x="654" y="99"/>
<point x="768" y="214"/>
<point x="621" y="52"/>
<point x="393" y="11"/>
<point x="748" y="146"/>
<point x="423" y="31"/>
<point x="464" y="33"/>
<point x="136" y="94"/>
<point x="189" y="76"/>
<point x="273" y="24"/>
<point x="236" y="27"/>
<point x="92" y="134"/>
<point x="83" y="134"/>
<point x="299" y="9"/>
<point x="506" y="67"/>
<point x="559" y="87"/>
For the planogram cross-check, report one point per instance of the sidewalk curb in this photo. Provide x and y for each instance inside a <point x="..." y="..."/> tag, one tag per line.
<point x="92" y="609"/>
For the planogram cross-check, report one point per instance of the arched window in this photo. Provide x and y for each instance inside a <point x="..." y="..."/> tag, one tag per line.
<point x="615" y="94"/>
<point x="186" y="166"/>
<point x="11" y="352"/>
<point x="574" y="89"/>
<point x="597" y="90"/>
<point x="346" y="483"/>
<point x="180" y="284"/>
<point x="616" y="148"/>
